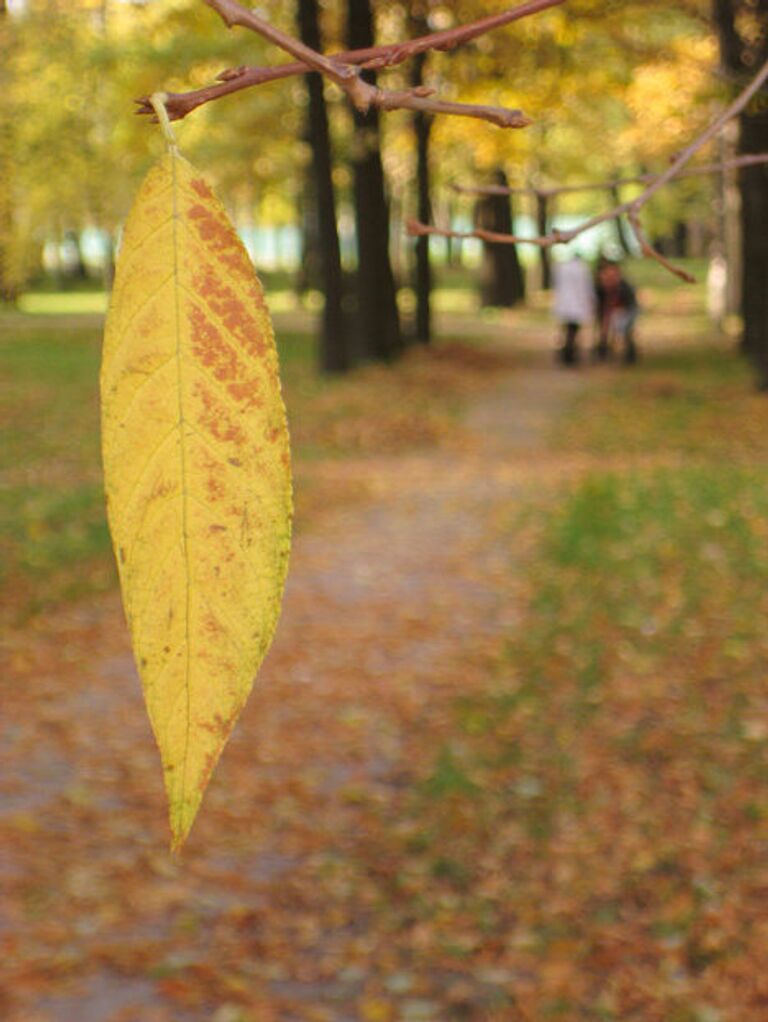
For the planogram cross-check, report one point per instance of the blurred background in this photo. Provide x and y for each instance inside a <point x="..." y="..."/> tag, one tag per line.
<point x="506" y="759"/>
<point x="614" y="92"/>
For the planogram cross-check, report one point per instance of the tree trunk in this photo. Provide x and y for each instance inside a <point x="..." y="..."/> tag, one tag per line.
<point x="754" y="234"/>
<point x="542" y="223"/>
<point x="724" y="15"/>
<point x="76" y="268"/>
<point x="309" y="273"/>
<point x="621" y="231"/>
<point x="515" y="267"/>
<point x="378" y="319"/>
<point x="8" y="283"/>
<point x="730" y="221"/>
<point x="740" y="55"/>
<point x="334" y="341"/>
<point x="679" y="240"/>
<point x="422" y="125"/>
<point x="502" y="278"/>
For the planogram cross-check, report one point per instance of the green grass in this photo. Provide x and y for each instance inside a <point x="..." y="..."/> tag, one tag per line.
<point x="607" y="787"/>
<point x="54" y="544"/>
<point x="655" y="564"/>
<point x="661" y="563"/>
<point x="695" y="401"/>
<point x="63" y="303"/>
<point x="53" y="538"/>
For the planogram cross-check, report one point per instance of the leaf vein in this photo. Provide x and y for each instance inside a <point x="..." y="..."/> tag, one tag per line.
<point x="126" y="501"/>
<point x="125" y="327"/>
<point x="148" y="378"/>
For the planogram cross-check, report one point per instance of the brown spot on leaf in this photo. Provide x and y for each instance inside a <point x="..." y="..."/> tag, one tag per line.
<point x="162" y="488"/>
<point x="239" y="263"/>
<point x="215" y="488"/>
<point x="247" y="393"/>
<point x="220" y="726"/>
<point x="236" y="315"/>
<point x="211" y="625"/>
<point x="121" y="554"/>
<point x="210" y="346"/>
<point x="216" y="233"/>
<point x="199" y="186"/>
<point x="210" y="763"/>
<point x="215" y="417"/>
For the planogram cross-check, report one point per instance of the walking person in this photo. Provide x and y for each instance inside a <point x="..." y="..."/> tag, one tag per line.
<point x="574" y="304"/>
<point x="617" y="311"/>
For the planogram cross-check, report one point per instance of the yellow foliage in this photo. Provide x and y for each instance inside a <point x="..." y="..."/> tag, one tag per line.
<point x="197" y="470"/>
<point x="664" y="100"/>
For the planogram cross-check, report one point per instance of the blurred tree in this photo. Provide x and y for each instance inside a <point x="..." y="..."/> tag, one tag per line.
<point x="378" y="319"/>
<point x="743" y="33"/>
<point x="8" y="283"/>
<point x="335" y="353"/>
<point x="610" y="86"/>
<point x="543" y="225"/>
<point x="501" y="279"/>
<point x="422" y="127"/>
<point x="613" y="87"/>
<point x="621" y="232"/>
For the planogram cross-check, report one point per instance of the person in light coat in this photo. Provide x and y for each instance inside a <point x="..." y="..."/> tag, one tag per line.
<point x="574" y="304"/>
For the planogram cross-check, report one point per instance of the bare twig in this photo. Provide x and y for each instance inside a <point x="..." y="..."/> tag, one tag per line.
<point x="346" y="76"/>
<point x="633" y="207"/>
<point x="179" y="104"/>
<point x="417" y="229"/>
<point x="414" y="99"/>
<point x="611" y="183"/>
<point x="648" y="250"/>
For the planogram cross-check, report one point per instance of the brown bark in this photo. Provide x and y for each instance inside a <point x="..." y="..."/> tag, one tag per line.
<point x="621" y="233"/>
<point x="379" y="336"/>
<point x="739" y="56"/>
<point x="754" y="231"/>
<point x="502" y="277"/>
<point x="8" y="284"/>
<point x="334" y="351"/>
<point x="542" y="220"/>
<point x="422" y="124"/>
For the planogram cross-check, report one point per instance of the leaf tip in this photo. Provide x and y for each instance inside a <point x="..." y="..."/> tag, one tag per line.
<point x="182" y="816"/>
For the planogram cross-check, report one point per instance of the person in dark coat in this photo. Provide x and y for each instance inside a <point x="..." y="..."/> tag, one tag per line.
<point x="617" y="311"/>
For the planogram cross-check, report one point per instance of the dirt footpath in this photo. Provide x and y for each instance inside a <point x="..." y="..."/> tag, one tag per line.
<point x="392" y="607"/>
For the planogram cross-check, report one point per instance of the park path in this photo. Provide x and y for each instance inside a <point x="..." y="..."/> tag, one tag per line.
<point x="394" y="605"/>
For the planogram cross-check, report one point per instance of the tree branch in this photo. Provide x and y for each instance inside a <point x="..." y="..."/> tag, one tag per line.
<point x="346" y="76"/>
<point x="633" y="207"/>
<point x="714" y="128"/>
<point x="648" y="250"/>
<point x="179" y="104"/>
<point x="610" y="183"/>
<point x="420" y="99"/>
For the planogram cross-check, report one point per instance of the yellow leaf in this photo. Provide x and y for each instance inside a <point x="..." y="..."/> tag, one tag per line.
<point x="197" y="470"/>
